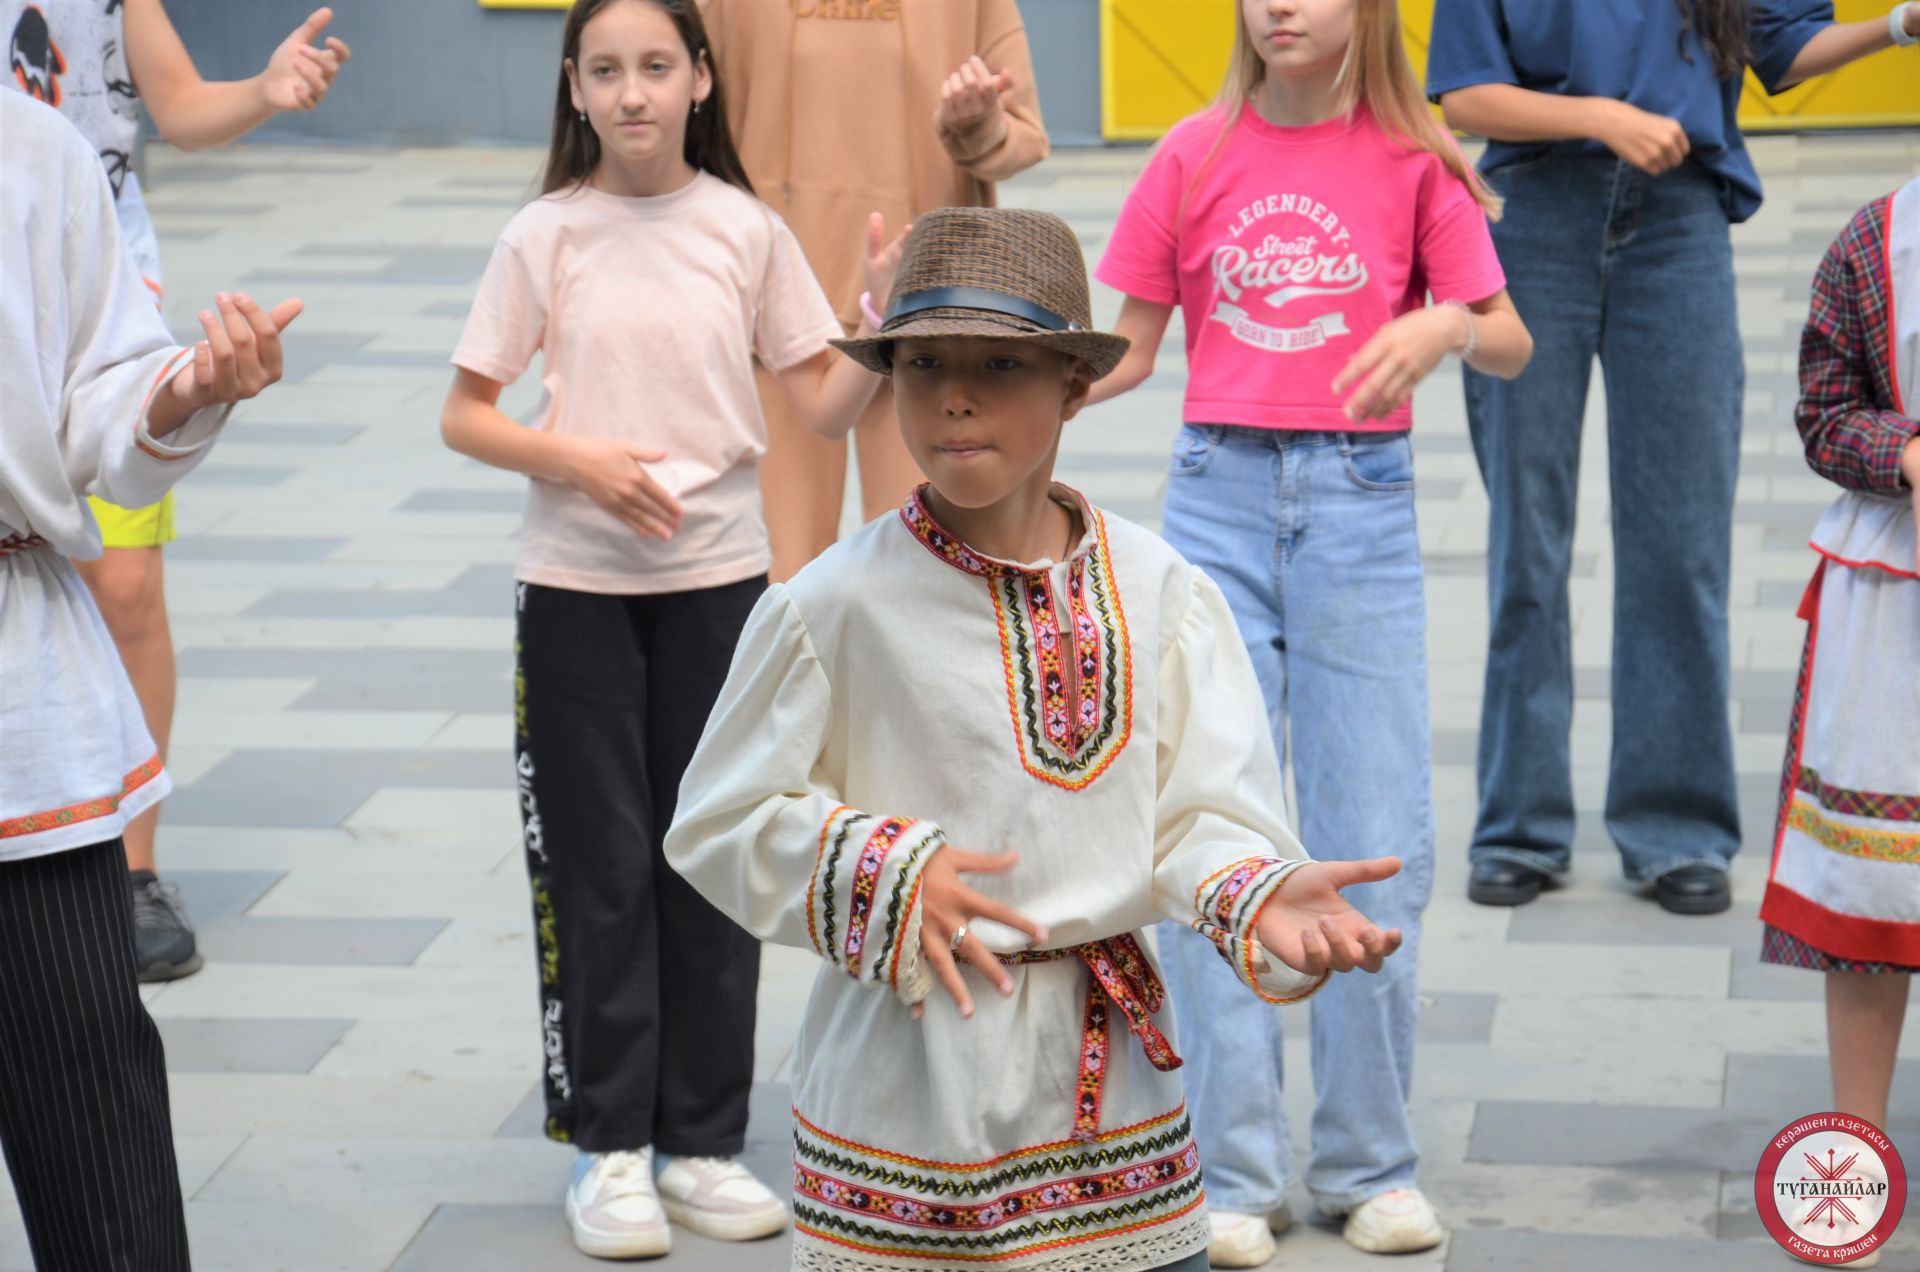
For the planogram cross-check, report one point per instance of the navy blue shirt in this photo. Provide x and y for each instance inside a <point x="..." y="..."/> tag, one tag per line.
<point x="1638" y="51"/>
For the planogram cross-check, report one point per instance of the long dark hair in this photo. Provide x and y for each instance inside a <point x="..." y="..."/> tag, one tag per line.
<point x="575" y="149"/>
<point x="1722" y="27"/>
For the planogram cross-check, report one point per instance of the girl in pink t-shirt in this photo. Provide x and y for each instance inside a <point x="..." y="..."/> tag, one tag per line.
<point x="649" y="279"/>
<point x="1301" y="225"/>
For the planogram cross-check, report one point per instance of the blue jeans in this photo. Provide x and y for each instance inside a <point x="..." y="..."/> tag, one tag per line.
<point x="1604" y="260"/>
<point x="1311" y="537"/>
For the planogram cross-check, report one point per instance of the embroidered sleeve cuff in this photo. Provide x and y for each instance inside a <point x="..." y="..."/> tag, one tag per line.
<point x="864" y="912"/>
<point x="1229" y="905"/>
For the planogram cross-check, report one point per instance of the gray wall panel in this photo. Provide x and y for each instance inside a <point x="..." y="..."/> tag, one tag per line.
<point x="447" y="72"/>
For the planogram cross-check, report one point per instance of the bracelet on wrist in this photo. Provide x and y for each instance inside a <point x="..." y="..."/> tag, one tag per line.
<point x="1473" y="328"/>
<point x="871" y="314"/>
<point x="1897" y="26"/>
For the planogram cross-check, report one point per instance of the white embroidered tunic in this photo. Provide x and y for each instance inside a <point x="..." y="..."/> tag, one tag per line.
<point x="1097" y="715"/>
<point x="81" y="351"/>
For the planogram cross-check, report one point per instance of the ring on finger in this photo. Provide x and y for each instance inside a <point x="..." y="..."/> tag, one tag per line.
<point x="959" y="935"/>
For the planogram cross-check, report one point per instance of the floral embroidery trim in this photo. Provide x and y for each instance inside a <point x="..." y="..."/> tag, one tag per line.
<point x="85" y="810"/>
<point x="887" y="966"/>
<point x="826" y="893"/>
<point x="1880" y="807"/>
<point x="1011" y="1207"/>
<point x="1091" y="1085"/>
<point x="866" y="881"/>
<point x="1055" y="1232"/>
<point x="1056" y="1157"/>
<point x="1854" y="841"/>
<point x="1065" y="739"/>
<point x="813" y="883"/>
<point x="1027" y="624"/>
<point x="20" y="543"/>
<point x="1229" y="903"/>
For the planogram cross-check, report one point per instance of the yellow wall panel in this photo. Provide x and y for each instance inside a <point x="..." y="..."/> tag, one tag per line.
<point x="1161" y="60"/>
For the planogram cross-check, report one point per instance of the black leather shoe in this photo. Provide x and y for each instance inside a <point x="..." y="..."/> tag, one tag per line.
<point x="1498" y="882"/>
<point x="1693" y="890"/>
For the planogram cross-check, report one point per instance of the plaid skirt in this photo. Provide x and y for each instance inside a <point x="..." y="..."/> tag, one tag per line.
<point x="1788" y="950"/>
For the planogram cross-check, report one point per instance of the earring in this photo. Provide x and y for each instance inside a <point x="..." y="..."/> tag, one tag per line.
<point x="696" y="108"/>
<point x="583" y="116"/>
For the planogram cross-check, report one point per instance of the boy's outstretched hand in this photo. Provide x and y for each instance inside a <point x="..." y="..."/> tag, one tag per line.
<point x="239" y="358"/>
<point x="1311" y="928"/>
<point x="948" y="906"/>
<point x="299" y="74"/>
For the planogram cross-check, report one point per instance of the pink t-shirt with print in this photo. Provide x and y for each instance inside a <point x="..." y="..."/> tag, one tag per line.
<point x="1286" y="251"/>
<point x="648" y="315"/>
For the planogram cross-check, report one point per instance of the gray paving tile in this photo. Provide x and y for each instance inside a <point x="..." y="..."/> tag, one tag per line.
<point x="322" y="788"/>
<point x="464" y="501"/>
<point x="528" y="1119"/>
<point x="1518" y="1250"/>
<point x="252" y="432"/>
<point x="211" y="547"/>
<point x="1586" y="565"/>
<point x="381" y="942"/>
<point x="395" y="603"/>
<point x="1786" y="1087"/>
<point x="1457" y="1017"/>
<point x="258" y="476"/>
<point x="1628" y="1136"/>
<point x="214" y="895"/>
<point x="1605" y="921"/>
<point x="253" y="1045"/>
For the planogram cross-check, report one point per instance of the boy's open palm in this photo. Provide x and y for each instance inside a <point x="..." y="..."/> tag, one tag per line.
<point x="1311" y="928"/>
<point x="239" y="357"/>
<point x="948" y="906"/>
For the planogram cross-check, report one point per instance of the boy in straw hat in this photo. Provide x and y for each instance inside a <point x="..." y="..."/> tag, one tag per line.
<point x="979" y="747"/>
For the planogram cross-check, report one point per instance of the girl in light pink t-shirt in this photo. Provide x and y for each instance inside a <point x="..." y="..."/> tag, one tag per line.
<point x="649" y="280"/>
<point x="1301" y="225"/>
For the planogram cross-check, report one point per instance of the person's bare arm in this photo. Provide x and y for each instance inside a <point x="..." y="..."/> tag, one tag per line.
<point x="609" y="471"/>
<point x="1144" y="323"/>
<point x="1842" y="42"/>
<point x="1653" y="143"/>
<point x="195" y="113"/>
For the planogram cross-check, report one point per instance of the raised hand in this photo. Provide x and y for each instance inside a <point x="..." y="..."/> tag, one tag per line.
<point x="948" y="906"/>
<point x="239" y="357"/>
<point x="883" y="258"/>
<point x="1311" y="928"/>
<point x="970" y="95"/>
<point x="613" y="474"/>
<point x="299" y="75"/>
<point x="1652" y="143"/>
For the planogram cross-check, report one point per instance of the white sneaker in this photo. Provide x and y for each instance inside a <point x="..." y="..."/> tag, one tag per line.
<point x="615" y="1212"/>
<point x="1397" y="1222"/>
<point x="1239" y="1241"/>
<point x="717" y="1197"/>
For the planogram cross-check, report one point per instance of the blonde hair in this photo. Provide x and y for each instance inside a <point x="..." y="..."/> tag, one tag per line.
<point x="1375" y="73"/>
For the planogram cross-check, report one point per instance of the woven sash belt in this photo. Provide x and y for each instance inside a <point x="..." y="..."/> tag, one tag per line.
<point x="1123" y="978"/>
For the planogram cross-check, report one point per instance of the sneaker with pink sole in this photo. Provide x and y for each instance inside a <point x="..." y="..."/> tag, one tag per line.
<point x="717" y="1197"/>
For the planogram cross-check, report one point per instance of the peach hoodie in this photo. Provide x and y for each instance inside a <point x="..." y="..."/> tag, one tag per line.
<point x="833" y="106"/>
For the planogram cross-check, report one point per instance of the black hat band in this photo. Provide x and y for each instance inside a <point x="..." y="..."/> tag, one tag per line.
<point x="981" y="298"/>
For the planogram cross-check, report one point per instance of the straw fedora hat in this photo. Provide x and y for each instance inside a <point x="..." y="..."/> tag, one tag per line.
<point x="1008" y="273"/>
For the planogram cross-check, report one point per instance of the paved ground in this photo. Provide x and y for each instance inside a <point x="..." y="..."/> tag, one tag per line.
<point x="353" y="1072"/>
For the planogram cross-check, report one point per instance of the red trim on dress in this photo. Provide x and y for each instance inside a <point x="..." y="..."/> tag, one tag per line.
<point x="965" y="1168"/>
<point x="85" y="810"/>
<point x="1848" y="936"/>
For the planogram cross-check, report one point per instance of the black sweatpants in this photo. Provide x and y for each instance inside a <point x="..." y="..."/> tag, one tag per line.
<point x="84" y="1117"/>
<point x="646" y="991"/>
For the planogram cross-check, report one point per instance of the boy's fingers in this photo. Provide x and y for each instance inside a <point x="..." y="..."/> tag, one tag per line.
<point x="949" y="976"/>
<point x="285" y="312"/>
<point x="340" y="49"/>
<point x="981" y="907"/>
<point x="316" y="22"/>
<point x="265" y="338"/>
<point x="1344" y="874"/>
<point x="975" y="951"/>
<point x="1313" y="953"/>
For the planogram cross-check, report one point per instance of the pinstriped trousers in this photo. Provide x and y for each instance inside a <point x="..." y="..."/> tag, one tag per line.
<point x="84" y="1117"/>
